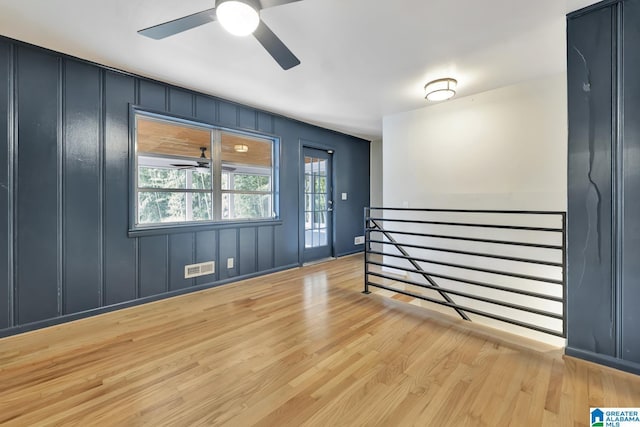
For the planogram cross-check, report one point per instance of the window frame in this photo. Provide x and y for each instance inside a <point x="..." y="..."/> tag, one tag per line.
<point x="216" y="191"/>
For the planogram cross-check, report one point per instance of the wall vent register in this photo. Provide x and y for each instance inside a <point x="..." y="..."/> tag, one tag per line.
<point x="201" y="269"/>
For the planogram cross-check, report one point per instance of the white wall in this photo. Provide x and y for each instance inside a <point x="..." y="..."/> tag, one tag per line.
<point x="502" y="149"/>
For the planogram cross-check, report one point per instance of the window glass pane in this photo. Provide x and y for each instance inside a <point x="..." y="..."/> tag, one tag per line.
<point x="307" y="183"/>
<point x="245" y="150"/>
<point x="200" y="178"/>
<point x="248" y="162"/>
<point x="307" y="221"/>
<point x="150" y="177"/>
<point x="171" y="138"/>
<point x="244" y="206"/>
<point x="225" y="181"/>
<point x="172" y="154"/>
<point x="321" y="202"/>
<point x="320" y="219"/>
<point x="248" y="182"/>
<point x="201" y="207"/>
<point x="315" y="238"/>
<point x="307" y="202"/>
<point x="322" y="167"/>
<point x="322" y="234"/>
<point x="320" y="184"/>
<point x="158" y="207"/>
<point x="226" y="206"/>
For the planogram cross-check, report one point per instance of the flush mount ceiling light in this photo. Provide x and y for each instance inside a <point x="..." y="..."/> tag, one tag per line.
<point x="241" y="148"/>
<point x="239" y="17"/>
<point x="441" y="89"/>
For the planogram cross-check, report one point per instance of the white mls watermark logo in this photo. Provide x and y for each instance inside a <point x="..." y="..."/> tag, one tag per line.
<point x="615" y="417"/>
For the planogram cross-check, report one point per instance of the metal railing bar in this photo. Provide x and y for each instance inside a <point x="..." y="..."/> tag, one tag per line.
<point x="471" y="239"/>
<point x="476" y="297"/>
<point x="564" y="272"/>
<point x="466" y="224"/>
<point x="470" y="211"/>
<point x="478" y="254"/>
<point x="417" y="266"/>
<point x="483" y="270"/>
<point x="473" y="310"/>
<point x="472" y="282"/>
<point x="367" y="249"/>
<point x="493" y="221"/>
<point x="173" y="190"/>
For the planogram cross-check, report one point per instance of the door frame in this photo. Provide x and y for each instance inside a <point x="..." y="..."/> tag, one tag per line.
<point x="305" y="143"/>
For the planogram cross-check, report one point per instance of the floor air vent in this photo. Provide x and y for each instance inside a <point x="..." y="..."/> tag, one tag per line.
<point x="201" y="269"/>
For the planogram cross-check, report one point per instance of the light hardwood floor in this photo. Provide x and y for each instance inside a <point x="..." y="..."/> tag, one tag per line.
<point x="302" y="347"/>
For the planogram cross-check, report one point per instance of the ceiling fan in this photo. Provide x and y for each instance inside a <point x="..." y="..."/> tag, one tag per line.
<point x="203" y="163"/>
<point x="239" y="17"/>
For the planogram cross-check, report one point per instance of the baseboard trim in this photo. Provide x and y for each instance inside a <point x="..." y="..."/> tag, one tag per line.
<point x="347" y="253"/>
<point x="28" y="327"/>
<point x="605" y="360"/>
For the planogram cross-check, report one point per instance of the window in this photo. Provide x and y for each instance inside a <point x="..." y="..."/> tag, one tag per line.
<point x="192" y="173"/>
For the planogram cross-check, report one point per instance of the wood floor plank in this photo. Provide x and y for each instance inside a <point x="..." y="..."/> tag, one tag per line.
<point x="301" y="347"/>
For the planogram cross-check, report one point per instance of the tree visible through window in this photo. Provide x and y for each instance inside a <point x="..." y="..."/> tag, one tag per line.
<point x="173" y="206"/>
<point x="176" y="172"/>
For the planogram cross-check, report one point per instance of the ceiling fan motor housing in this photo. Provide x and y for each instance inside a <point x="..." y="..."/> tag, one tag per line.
<point x="253" y="3"/>
<point x="238" y="17"/>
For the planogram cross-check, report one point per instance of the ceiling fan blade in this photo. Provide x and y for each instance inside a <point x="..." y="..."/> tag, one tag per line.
<point x="275" y="47"/>
<point x="271" y="3"/>
<point x="183" y="166"/>
<point x="179" y="25"/>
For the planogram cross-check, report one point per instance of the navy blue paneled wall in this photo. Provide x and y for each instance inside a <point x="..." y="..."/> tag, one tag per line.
<point x="65" y="250"/>
<point x="603" y="276"/>
<point x="590" y="254"/>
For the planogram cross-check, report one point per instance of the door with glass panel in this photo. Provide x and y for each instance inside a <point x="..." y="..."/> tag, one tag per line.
<point x="318" y="205"/>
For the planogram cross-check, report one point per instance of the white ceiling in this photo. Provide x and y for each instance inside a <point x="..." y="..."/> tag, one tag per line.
<point x="361" y="59"/>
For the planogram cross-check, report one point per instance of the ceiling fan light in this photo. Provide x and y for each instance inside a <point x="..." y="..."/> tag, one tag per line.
<point x="238" y="17"/>
<point x="441" y="89"/>
<point x="241" y="148"/>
